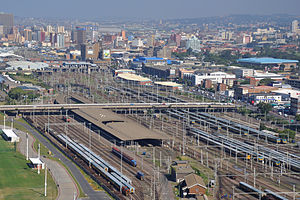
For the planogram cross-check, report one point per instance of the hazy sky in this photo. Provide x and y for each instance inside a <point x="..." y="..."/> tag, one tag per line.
<point x="146" y="8"/>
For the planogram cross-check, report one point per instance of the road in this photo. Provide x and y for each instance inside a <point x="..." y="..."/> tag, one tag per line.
<point x="85" y="186"/>
<point x="67" y="187"/>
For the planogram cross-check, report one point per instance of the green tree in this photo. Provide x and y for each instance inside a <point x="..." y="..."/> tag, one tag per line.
<point x="264" y="108"/>
<point x="265" y="81"/>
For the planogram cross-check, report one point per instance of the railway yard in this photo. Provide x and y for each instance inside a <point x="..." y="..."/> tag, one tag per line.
<point x="114" y="145"/>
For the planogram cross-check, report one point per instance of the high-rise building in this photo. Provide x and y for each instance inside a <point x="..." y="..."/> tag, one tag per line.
<point x="176" y="38"/>
<point x="193" y="43"/>
<point x="7" y="21"/>
<point x="90" y="51"/>
<point x="49" y="29"/>
<point x="247" y="39"/>
<point x="81" y="35"/>
<point x="28" y="34"/>
<point x="43" y="36"/>
<point x="60" y="29"/>
<point x="60" y="40"/>
<point x="123" y="34"/>
<point x="52" y="38"/>
<point x="1" y="30"/>
<point x="295" y="26"/>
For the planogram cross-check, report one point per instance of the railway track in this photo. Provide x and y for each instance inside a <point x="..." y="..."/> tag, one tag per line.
<point x="101" y="148"/>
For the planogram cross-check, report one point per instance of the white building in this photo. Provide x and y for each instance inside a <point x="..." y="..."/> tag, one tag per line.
<point x="295" y="26"/>
<point x="193" y="43"/>
<point x="265" y="98"/>
<point x="215" y="77"/>
<point x="10" y="135"/>
<point x="60" y="40"/>
<point x="137" y="42"/>
<point x="262" y="75"/>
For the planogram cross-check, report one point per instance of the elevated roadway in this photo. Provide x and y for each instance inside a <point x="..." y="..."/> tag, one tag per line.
<point x="42" y="107"/>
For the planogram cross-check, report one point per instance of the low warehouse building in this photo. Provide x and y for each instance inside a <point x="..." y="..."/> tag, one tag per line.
<point x="168" y="86"/>
<point x="134" y="79"/>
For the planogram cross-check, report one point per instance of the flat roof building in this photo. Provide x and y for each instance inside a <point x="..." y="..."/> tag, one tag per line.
<point x="134" y="79"/>
<point x="37" y="163"/>
<point x="10" y="135"/>
<point x="281" y="64"/>
<point x="167" y="85"/>
<point x="265" y="61"/>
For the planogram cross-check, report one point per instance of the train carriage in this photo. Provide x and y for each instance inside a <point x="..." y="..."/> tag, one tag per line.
<point x="125" y="157"/>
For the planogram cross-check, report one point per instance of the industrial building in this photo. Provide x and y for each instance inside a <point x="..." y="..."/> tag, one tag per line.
<point x="160" y="71"/>
<point x="285" y="64"/>
<point x="134" y="79"/>
<point x="26" y="65"/>
<point x="168" y="86"/>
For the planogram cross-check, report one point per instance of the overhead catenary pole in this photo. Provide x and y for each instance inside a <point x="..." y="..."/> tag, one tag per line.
<point x="4" y="120"/>
<point x="45" y="180"/>
<point x="27" y="146"/>
<point x="39" y="151"/>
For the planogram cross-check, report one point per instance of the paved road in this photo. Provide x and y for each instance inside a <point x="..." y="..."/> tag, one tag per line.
<point x="87" y="189"/>
<point x="67" y="187"/>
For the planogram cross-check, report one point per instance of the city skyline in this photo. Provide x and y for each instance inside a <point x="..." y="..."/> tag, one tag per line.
<point x="167" y="9"/>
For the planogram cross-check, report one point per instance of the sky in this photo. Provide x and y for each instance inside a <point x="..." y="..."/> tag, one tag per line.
<point x="155" y="9"/>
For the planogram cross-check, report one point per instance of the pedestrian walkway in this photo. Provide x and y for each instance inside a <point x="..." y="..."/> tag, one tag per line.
<point x="67" y="188"/>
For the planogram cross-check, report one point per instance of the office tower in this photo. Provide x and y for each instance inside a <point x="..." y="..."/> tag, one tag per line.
<point x="123" y="34"/>
<point x="43" y="36"/>
<point x="81" y="35"/>
<point x="1" y="30"/>
<point x="295" y="25"/>
<point x="7" y="21"/>
<point x="90" y="51"/>
<point x="176" y="38"/>
<point x="60" y="29"/>
<point x="28" y="34"/>
<point x="49" y="29"/>
<point x="60" y="40"/>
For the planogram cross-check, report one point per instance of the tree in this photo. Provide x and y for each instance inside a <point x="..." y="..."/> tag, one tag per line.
<point x="265" y="81"/>
<point x="264" y="108"/>
<point x="297" y="117"/>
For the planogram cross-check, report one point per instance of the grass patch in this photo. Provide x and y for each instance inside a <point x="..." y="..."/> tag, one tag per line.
<point x="18" y="181"/>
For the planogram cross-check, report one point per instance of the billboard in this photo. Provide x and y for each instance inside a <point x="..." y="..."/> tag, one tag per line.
<point x="106" y="54"/>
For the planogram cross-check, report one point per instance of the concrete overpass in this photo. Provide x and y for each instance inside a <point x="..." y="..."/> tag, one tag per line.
<point x="43" y="107"/>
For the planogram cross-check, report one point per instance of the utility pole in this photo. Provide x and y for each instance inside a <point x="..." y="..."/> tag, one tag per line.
<point x="45" y="180"/>
<point x="27" y="146"/>
<point x="254" y="178"/>
<point x="90" y="144"/>
<point x="39" y="151"/>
